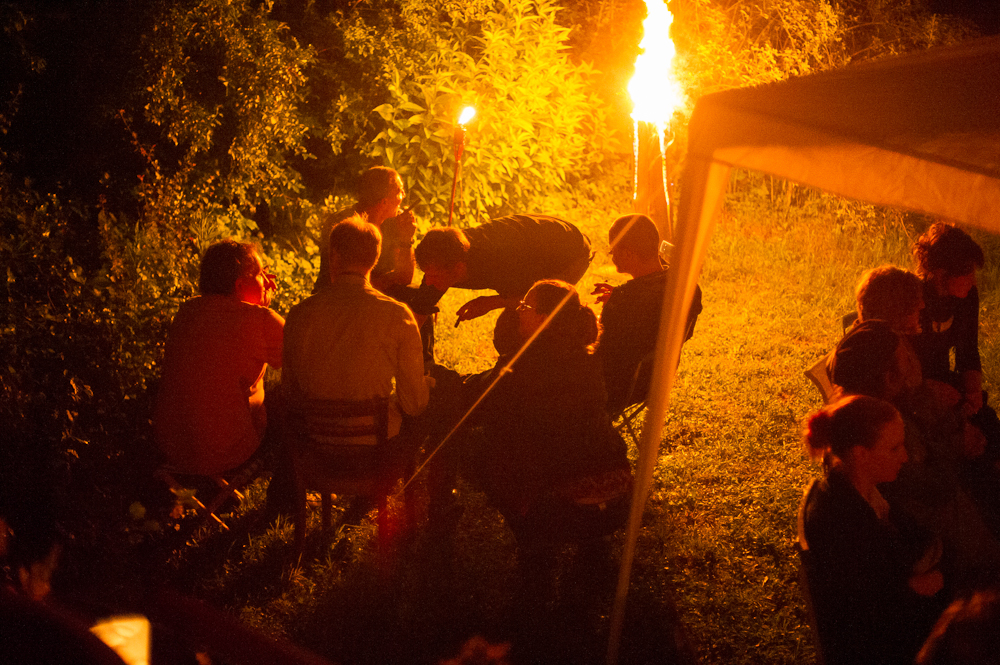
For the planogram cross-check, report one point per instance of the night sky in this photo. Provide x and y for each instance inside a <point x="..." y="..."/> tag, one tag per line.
<point x="984" y="13"/>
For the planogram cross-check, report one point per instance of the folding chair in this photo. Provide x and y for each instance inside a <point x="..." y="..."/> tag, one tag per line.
<point x="637" y="393"/>
<point x="342" y="447"/>
<point x="819" y="373"/>
<point x="225" y="488"/>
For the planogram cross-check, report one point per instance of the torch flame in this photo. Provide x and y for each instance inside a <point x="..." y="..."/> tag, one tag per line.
<point x="654" y="89"/>
<point x="467" y="114"/>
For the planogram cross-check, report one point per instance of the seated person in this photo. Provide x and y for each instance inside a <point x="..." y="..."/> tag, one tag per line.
<point x="549" y="459"/>
<point x="893" y="295"/>
<point x="506" y="255"/>
<point x="886" y="293"/>
<point x="379" y="192"/>
<point x="350" y="341"/>
<point x="873" y="360"/>
<point x="210" y="413"/>
<point x="872" y="576"/>
<point x="630" y="320"/>
<point x="947" y="260"/>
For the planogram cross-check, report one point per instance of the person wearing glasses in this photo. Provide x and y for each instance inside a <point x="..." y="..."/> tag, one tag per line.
<point x="548" y="458"/>
<point x="210" y="416"/>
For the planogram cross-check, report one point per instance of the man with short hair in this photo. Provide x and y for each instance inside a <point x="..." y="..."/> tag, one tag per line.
<point x="379" y="192"/>
<point x="507" y="255"/>
<point x="891" y="294"/>
<point x="630" y="320"/>
<point x="210" y="413"/>
<point x="349" y="341"/>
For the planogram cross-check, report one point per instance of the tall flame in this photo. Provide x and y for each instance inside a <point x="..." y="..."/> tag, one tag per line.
<point x="654" y="89"/>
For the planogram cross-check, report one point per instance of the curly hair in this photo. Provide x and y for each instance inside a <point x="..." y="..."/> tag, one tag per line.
<point x="949" y="248"/>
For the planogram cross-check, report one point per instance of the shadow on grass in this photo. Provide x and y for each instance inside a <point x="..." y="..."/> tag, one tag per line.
<point x="342" y="602"/>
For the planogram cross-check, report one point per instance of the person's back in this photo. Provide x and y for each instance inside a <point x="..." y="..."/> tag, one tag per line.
<point x="210" y="412"/>
<point x="349" y="341"/>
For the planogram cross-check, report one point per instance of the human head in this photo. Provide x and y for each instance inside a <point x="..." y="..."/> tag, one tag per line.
<point x="441" y="254"/>
<point x="231" y="268"/>
<point x="34" y="552"/>
<point x="857" y="421"/>
<point x="638" y="243"/>
<point x="947" y="256"/>
<point x="354" y="246"/>
<point x="893" y="295"/>
<point x="380" y="192"/>
<point x="968" y="633"/>
<point x="575" y="324"/>
<point x="873" y="360"/>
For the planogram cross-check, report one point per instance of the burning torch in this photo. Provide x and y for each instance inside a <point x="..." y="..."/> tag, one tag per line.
<point x="467" y="114"/>
<point x="655" y="94"/>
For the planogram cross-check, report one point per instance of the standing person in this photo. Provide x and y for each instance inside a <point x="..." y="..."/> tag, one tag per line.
<point x="380" y="192"/>
<point x="872" y="577"/>
<point x="506" y="255"/>
<point x="350" y="341"/>
<point x="210" y="415"/>
<point x="630" y="320"/>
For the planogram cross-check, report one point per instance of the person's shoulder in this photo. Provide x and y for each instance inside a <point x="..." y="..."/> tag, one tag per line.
<point x="386" y="302"/>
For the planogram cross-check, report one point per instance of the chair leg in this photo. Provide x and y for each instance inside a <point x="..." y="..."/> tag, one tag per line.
<point x="300" y="520"/>
<point x="327" y="506"/>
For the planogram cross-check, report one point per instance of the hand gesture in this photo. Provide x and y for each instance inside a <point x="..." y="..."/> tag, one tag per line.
<point x="927" y="584"/>
<point x="943" y="393"/>
<point x="603" y="291"/>
<point x="973" y="442"/>
<point x="478" y="307"/>
<point x="402" y="226"/>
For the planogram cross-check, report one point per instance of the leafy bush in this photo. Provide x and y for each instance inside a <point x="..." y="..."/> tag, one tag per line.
<point x="538" y="128"/>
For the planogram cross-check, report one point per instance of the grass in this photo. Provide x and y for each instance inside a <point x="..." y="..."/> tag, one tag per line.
<point x="717" y="544"/>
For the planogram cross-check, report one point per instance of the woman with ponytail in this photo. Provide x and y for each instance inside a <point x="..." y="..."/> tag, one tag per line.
<point x="872" y="575"/>
<point x="548" y="457"/>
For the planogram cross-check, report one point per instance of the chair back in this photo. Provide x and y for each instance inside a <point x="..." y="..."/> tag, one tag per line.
<point x="339" y="444"/>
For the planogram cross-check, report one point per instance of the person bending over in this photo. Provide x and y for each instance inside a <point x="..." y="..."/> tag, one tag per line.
<point x="506" y="255"/>
<point x="871" y="574"/>
<point x="630" y="320"/>
<point x="210" y="413"/>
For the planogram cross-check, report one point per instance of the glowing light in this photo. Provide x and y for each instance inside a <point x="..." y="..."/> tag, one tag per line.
<point x="468" y="113"/>
<point x="654" y="89"/>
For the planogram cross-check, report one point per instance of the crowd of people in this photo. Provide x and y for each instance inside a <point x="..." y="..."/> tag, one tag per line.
<point x="540" y="444"/>
<point x="899" y="538"/>
<point x="906" y="517"/>
<point x="904" y="520"/>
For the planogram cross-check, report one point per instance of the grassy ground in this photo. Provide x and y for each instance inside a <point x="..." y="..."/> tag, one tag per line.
<point x="717" y="545"/>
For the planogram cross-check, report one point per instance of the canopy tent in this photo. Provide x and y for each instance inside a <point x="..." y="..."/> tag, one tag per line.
<point x="920" y="131"/>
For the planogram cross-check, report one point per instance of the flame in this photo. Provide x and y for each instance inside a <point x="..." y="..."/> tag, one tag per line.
<point x="467" y="114"/>
<point x="654" y="88"/>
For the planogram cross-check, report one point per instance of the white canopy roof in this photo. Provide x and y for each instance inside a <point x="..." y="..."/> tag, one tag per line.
<point x="920" y="131"/>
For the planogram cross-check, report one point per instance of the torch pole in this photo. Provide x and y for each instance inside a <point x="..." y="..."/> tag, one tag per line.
<point x="459" y="147"/>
